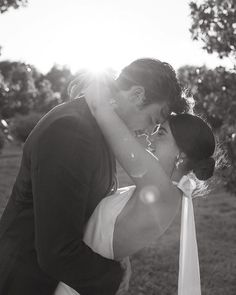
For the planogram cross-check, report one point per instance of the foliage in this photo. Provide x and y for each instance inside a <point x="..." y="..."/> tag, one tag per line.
<point x="24" y="89"/>
<point x="214" y="22"/>
<point x="215" y="94"/>
<point x="5" y="5"/>
<point x="21" y="126"/>
<point x="18" y="92"/>
<point x="59" y="78"/>
<point x="46" y="98"/>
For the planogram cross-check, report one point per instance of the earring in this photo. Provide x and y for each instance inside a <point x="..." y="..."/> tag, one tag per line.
<point x="178" y="161"/>
<point x="113" y="102"/>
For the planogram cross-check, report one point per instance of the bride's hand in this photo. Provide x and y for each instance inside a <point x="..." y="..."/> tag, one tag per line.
<point x="98" y="94"/>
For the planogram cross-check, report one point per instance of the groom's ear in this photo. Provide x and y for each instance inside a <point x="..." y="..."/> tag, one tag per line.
<point x="137" y="95"/>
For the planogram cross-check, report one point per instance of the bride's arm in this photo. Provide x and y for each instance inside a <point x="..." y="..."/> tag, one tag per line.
<point x="155" y="201"/>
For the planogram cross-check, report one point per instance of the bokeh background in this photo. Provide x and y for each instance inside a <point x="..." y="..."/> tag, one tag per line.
<point x="45" y="44"/>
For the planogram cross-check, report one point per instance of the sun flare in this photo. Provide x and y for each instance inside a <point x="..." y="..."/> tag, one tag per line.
<point x="91" y="43"/>
<point x="97" y="67"/>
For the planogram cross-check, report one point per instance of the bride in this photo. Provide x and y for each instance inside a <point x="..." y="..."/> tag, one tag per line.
<point x="137" y="215"/>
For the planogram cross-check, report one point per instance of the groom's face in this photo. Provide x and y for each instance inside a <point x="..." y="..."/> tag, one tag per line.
<point x="148" y="117"/>
<point x="139" y="117"/>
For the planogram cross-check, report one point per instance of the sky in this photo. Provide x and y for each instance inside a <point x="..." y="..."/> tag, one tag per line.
<point x="101" y="33"/>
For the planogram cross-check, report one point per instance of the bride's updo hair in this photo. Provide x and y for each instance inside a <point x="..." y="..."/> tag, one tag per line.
<point x="195" y="138"/>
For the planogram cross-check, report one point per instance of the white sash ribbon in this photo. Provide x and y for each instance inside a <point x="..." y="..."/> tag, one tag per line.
<point x="189" y="274"/>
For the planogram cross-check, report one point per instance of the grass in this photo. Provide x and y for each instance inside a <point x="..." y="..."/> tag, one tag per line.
<point x="155" y="268"/>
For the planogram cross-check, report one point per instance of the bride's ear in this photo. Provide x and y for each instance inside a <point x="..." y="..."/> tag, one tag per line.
<point x="137" y="95"/>
<point x="182" y="155"/>
<point x="180" y="159"/>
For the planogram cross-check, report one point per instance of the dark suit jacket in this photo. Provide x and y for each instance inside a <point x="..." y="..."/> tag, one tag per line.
<point x="66" y="170"/>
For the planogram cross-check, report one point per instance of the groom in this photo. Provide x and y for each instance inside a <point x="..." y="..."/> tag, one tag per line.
<point x="66" y="169"/>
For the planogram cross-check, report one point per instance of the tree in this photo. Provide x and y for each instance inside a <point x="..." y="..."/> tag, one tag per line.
<point x="59" y="76"/>
<point x="214" y="23"/>
<point x="46" y="99"/>
<point x="17" y="90"/>
<point x="214" y="91"/>
<point x="5" y="5"/>
<point x="24" y="89"/>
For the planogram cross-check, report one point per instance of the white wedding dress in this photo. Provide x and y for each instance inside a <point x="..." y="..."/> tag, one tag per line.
<point x="100" y="228"/>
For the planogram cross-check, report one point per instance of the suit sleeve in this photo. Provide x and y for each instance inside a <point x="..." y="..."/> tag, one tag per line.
<point x="63" y="164"/>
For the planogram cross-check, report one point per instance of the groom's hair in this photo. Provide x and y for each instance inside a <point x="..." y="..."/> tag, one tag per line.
<point x="159" y="81"/>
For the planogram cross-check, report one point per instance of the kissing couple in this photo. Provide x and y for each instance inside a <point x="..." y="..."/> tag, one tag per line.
<point x="67" y="228"/>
